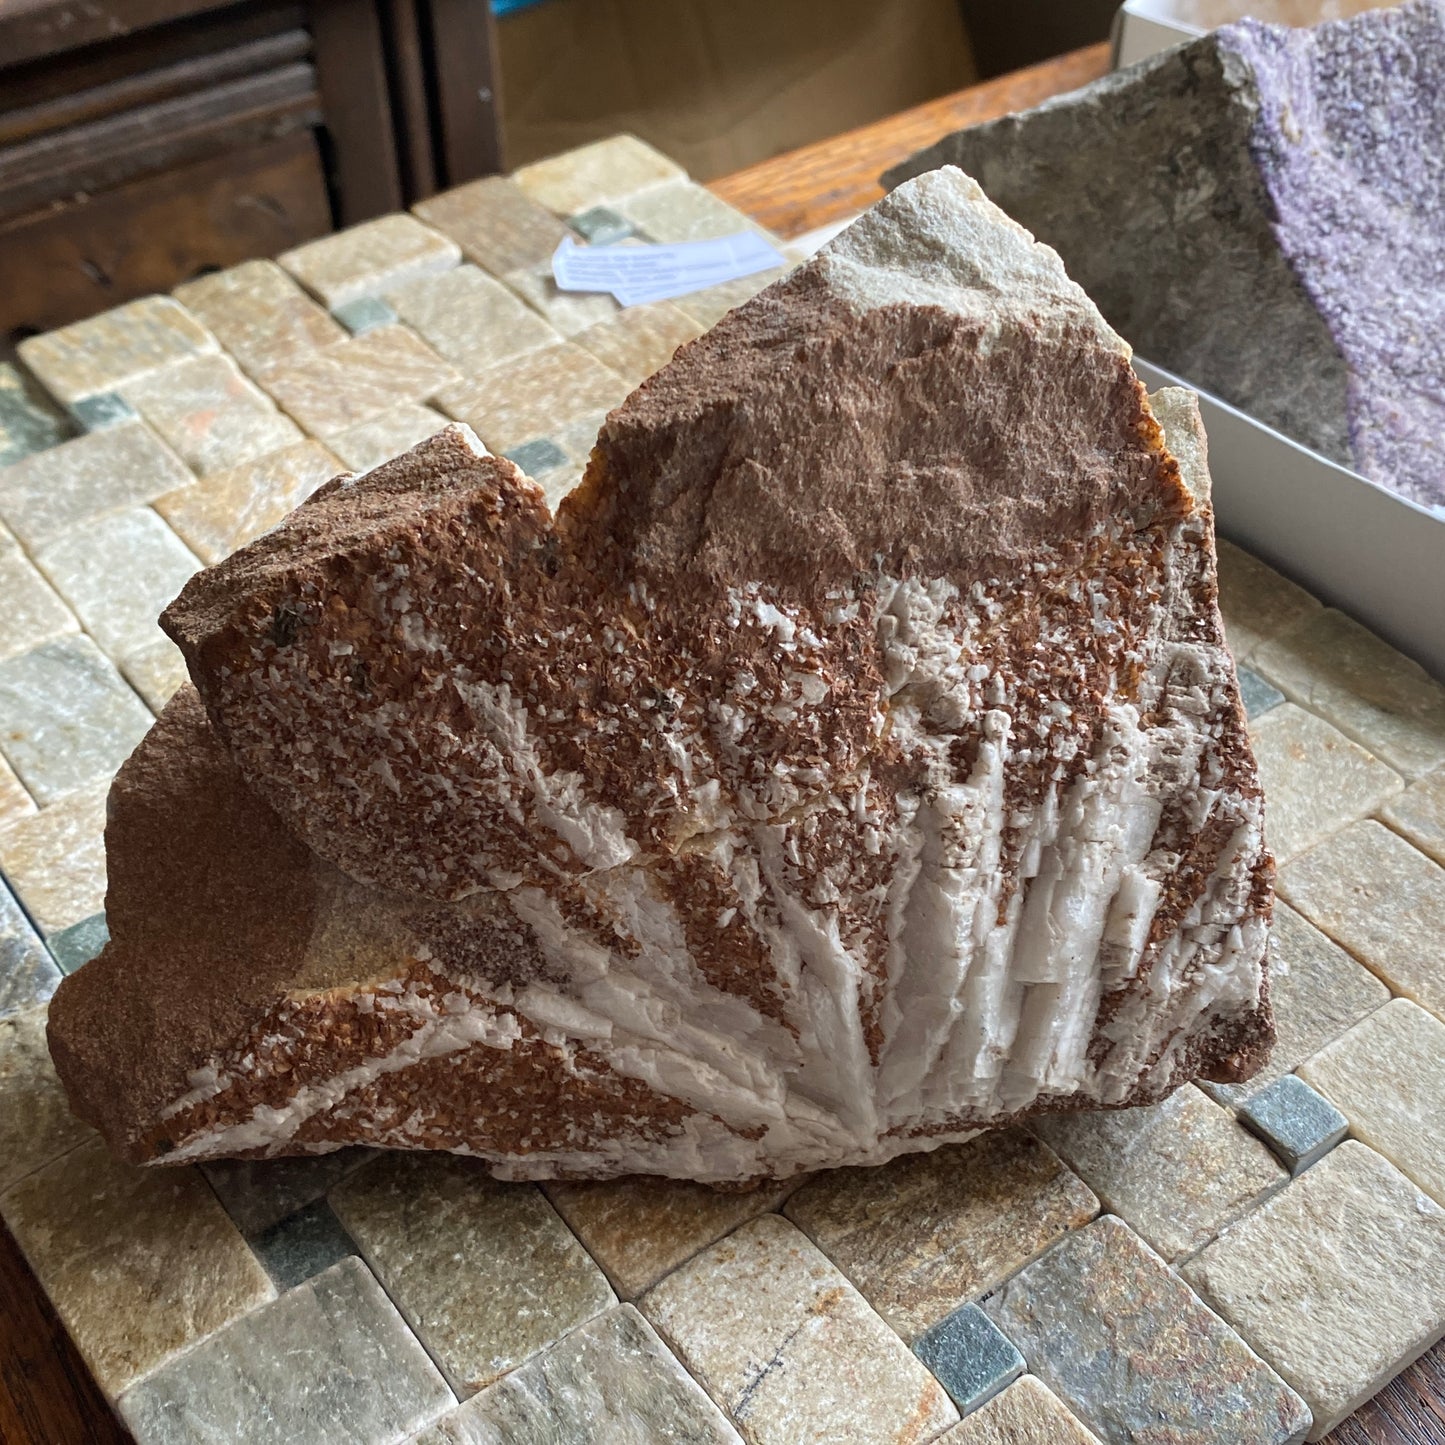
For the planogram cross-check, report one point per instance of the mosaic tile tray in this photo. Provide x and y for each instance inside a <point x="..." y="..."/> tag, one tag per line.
<point x="1238" y="1264"/>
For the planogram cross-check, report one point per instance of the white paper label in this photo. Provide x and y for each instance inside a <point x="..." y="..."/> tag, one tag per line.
<point x="638" y="273"/>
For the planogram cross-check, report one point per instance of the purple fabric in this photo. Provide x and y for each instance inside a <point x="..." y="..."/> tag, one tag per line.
<point x="1350" y="144"/>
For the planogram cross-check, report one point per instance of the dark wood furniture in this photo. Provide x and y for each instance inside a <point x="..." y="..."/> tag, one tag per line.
<point x="145" y="141"/>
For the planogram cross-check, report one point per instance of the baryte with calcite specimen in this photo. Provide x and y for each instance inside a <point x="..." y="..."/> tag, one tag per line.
<point x="853" y="760"/>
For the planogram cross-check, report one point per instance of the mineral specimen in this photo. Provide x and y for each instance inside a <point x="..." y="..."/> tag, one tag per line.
<point x="1263" y="212"/>
<point x="853" y="760"/>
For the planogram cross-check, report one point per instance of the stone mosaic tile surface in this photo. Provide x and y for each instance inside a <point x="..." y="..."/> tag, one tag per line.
<point x="334" y="1297"/>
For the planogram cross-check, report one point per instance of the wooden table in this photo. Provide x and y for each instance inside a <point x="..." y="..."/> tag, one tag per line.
<point x="46" y="1395"/>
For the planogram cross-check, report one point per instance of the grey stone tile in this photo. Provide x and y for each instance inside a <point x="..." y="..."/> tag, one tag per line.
<point x="36" y="1125"/>
<point x="386" y="436"/>
<point x="34" y="612"/>
<point x="601" y="226"/>
<point x="788" y="1348"/>
<point x="329" y="1361"/>
<point x="1316" y="990"/>
<point x="609" y="1380"/>
<point x="1177" y="1171"/>
<point x="1388" y="1076"/>
<point x="28" y="973"/>
<point x="604" y="172"/>
<point x="15" y="802"/>
<point x="1299" y="1125"/>
<point x="1129" y="1349"/>
<point x="364" y="314"/>
<point x="1315" y="779"/>
<point x="970" y="1357"/>
<point x="139" y="1263"/>
<point x="117" y="346"/>
<point x="527" y="1282"/>
<point x="260" y="1193"/>
<point x="1257" y="695"/>
<point x="1378" y="696"/>
<point x="119" y="573"/>
<point x="259" y="314"/>
<point x="302" y="1245"/>
<point x="471" y="319"/>
<point x="55" y="859"/>
<point x="639" y="1229"/>
<point x="924" y="1233"/>
<point x="1383" y="900"/>
<point x="1419" y="813"/>
<point x="70" y="719"/>
<point x="210" y="414"/>
<point x="228" y="509"/>
<point x="100" y="472"/>
<point x="370" y="259"/>
<point x="1256" y="602"/>
<point x="104" y="409"/>
<point x="1027" y="1413"/>
<point x="1338" y="1281"/>
<point x="74" y="947"/>
<point x="496" y="224"/>
<point x="29" y="420"/>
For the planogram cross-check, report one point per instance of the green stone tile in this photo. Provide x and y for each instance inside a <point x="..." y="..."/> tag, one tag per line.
<point x="538" y="457"/>
<point x="364" y="314"/>
<point x="28" y="973"/>
<point x="302" y="1245"/>
<point x="329" y="1361"/>
<point x="1257" y="695"/>
<point x="495" y="223"/>
<point x="104" y="409"/>
<point x="55" y="859"/>
<point x="370" y="259"/>
<point x="36" y="1125"/>
<point x="70" y="718"/>
<point x="1298" y="1124"/>
<point x="527" y="1281"/>
<point x="601" y="226"/>
<point x="1133" y="1353"/>
<point x="117" y="346"/>
<point x="75" y="946"/>
<point x="969" y="1356"/>
<point x="29" y="420"/>
<point x="471" y="319"/>
<point x="259" y="1193"/>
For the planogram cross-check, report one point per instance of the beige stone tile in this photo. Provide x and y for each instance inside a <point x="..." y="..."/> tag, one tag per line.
<point x="1389" y="704"/>
<point x="527" y="1280"/>
<point x="1256" y="602"/>
<point x="1383" y="900"/>
<point x="640" y="340"/>
<point x="1115" y="1333"/>
<point x="119" y="573"/>
<point x="329" y="1361"/>
<point x="604" y="172"/>
<point x="70" y="720"/>
<point x="259" y="314"/>
<point x="1419" y="813"/>
<point x="156" y="671"/>
<point x="684" y="211"/>
<point x="567" y="312"/>
<point x="536" y="395"/>
<point x="230" y="508"/>
<point x="55" y="859"/>
<point x="1387" y="1076"/>
<point x="138" y="1262"/>
<point x="210" y="414"/>
<point x="471" y="318"/>
<point x="33" y="612"/>
<point x="1027" y="1413"/>
<point x="611" y="1381"/>
<point x="357" y="380"/>
<point x="708" y="307"/>
<point x="1177" y="1171"/>
<point x="1317" y="992"/>
<point x="923" y="1234"/>
<point x="640" y="1229"/>
<point x="1315" y="779"/>
<point x="36" y="1124"/>
<point x="15" y="802"/>
<point x="496" y="224"/>
<point x="103" y="471"/>
<point x="788" y="1348"/>
<point x="115" y="347"/>
<point x="1338" y="1281"/>
<point x="369" y="259"/>
<point x="386" y="436"/>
